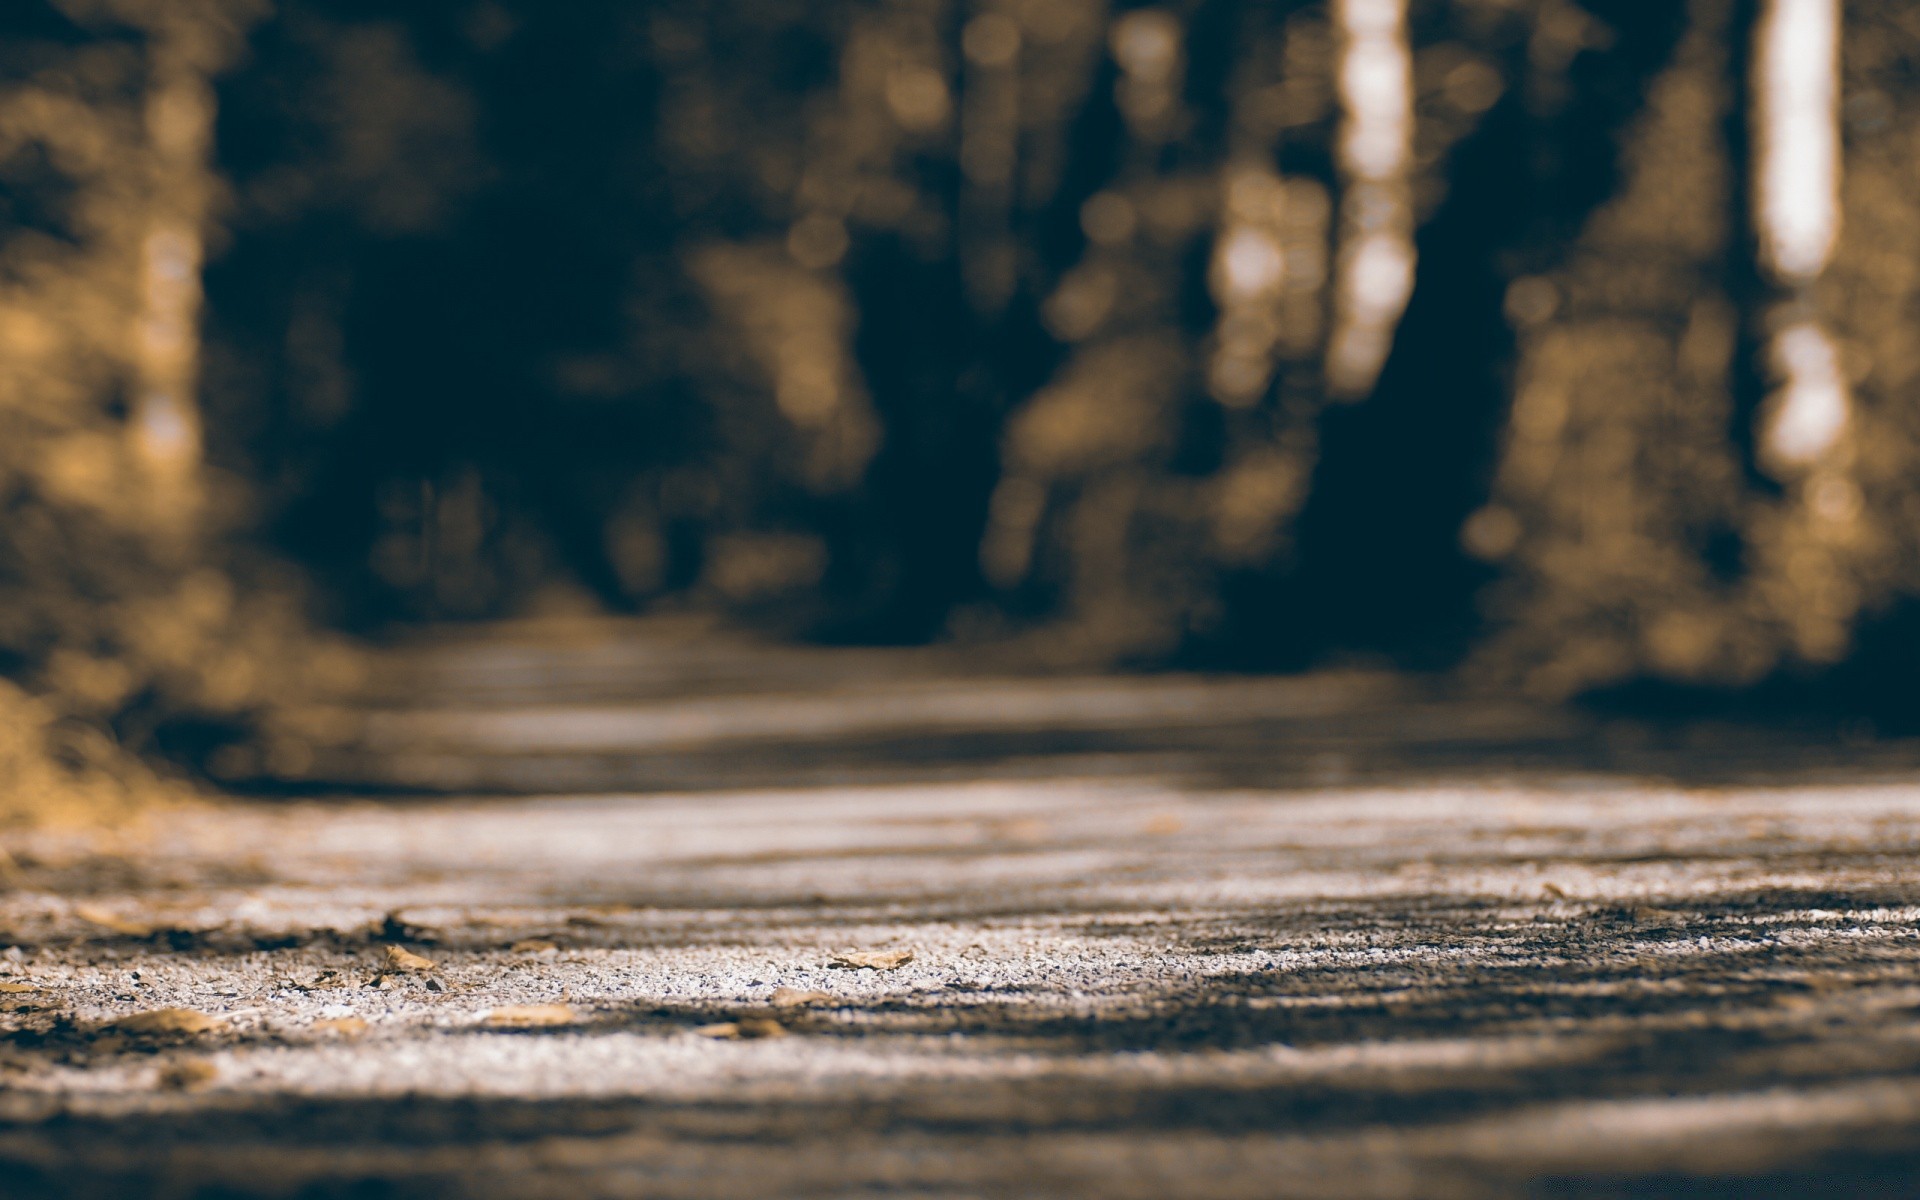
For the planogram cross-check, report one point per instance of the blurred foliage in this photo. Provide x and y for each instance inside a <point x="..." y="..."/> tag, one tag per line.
<point x="1205" y="331"/>
<point x="884" y="320"/>
<point x="120" y="609"/>
<point x="1645" y="531"/>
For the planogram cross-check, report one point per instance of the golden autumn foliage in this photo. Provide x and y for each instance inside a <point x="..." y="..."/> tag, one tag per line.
<point x="1453" y="330"/>
<point x="120" y="608"/>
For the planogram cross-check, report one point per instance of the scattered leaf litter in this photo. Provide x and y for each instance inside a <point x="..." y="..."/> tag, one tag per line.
<point x="788" y="997"/>
<point x="739" y="979"/>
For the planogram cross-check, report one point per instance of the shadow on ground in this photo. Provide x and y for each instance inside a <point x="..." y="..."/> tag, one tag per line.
<point x="1323" y="936"/>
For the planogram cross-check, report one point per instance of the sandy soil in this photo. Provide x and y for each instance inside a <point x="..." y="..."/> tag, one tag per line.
<point x="1226" y="965"/>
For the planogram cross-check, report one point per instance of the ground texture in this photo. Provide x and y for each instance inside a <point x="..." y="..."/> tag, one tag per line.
<point x="794" y="925"/>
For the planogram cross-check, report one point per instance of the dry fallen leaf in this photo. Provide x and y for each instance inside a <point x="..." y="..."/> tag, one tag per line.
<point x="340" y="1026"/>
<point x="760" y="1027"/>
<point x="875" y="960"/>
<point x="745" y="1027"/>
<point x="533" y="946"/>
<point x="106" y="918"/>
<point x="1554" y="890"/>
<point x="401" y="959"/>
<point x="167" y="1020"/>
<point x="15" y="989"/>
<point x="1163" y="824"/>
<point x="531" y="1016"/>
<point x="1018" y="829"/>
<point x="787" y="997"/>
<point x="187" y="1074"/>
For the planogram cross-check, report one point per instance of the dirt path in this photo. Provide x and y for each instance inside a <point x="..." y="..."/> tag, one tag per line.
<point x="1219" y="966"/>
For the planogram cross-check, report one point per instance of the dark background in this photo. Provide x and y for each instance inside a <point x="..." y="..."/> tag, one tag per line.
<point x="489" y="284"/>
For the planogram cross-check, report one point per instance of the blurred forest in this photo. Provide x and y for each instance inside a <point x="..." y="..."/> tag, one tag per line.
<point x="1565" y="344"/>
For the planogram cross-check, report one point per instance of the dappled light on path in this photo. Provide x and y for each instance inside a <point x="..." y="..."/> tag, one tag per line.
<point x="902" y="926"/>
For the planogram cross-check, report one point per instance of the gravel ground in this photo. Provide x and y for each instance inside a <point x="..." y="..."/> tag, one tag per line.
<point x="1127" y="978"/>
